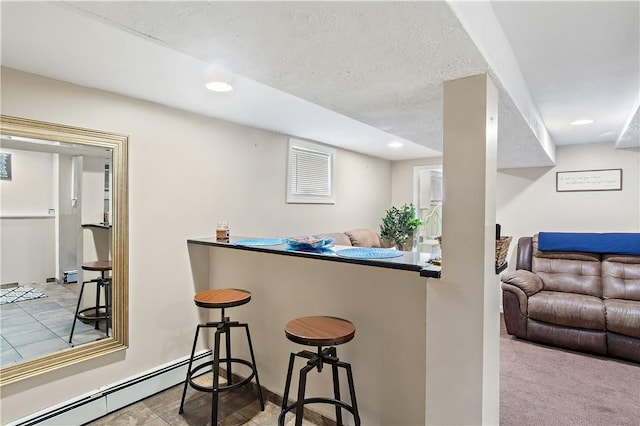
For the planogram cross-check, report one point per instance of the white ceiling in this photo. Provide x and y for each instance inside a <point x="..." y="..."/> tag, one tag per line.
<point x="354" y="74"/>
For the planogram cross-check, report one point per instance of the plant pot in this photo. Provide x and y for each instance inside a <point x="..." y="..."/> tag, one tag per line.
<point x="408" y="245"/>
<point x="387" y="243"/>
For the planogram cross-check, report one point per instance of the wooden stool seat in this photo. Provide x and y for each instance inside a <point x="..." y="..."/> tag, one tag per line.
<point x="222" y="298"/>
<point x="320" y="331"/>
<point x="97" y="265"/>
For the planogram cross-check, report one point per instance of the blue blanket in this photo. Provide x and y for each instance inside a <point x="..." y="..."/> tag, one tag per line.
<point x="606" y="243"/>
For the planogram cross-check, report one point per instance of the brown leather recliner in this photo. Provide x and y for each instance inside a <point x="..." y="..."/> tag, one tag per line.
<point x="581" y="301"/>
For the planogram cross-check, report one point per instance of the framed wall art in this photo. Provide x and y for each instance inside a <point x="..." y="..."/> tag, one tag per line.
<point x="589" y="180"/>
<point x="5" y="166"/>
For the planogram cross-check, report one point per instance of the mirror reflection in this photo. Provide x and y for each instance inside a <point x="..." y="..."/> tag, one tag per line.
<point x="429" y="205"/>
<point x="62" y="254"/>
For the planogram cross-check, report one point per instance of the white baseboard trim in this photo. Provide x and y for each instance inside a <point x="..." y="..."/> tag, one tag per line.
<point x="107" y="399"/>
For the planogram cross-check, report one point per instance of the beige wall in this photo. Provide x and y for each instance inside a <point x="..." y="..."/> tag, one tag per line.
<point x="31" y="188"/>
<point x="527" y="201"/>
<point x="27" y="250"/>
<point x="185" y="172"/>
<point x="28" y="241"/>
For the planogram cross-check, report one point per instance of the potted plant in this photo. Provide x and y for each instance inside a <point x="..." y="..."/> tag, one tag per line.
<point x="399" y="226"/>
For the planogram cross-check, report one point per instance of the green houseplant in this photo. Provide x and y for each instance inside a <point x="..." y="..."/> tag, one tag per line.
<point x="399" y="225"/>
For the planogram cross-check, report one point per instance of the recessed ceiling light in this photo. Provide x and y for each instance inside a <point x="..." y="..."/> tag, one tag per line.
<point x="395" y="144"/>
<point x="219" y="86"/>
<point x="582" y="122"/>
<point x="218" y="78"/>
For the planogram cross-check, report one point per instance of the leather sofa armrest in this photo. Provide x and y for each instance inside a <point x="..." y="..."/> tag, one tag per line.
<point x="522" y="299"/>
<point x="525" y="280"/>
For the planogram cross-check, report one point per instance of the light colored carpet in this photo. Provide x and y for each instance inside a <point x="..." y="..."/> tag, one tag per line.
<point x="545" y="386"/>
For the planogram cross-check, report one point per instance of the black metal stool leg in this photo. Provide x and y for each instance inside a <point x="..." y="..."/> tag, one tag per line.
<point x="75" y="316"/>
<point x="186" y="382"/>
<point x="302" y="383"/>
<point x="352" y="391"/>
<point x="97" y="310"/>
<point x="336" y="387"/>
<point x="216" y="374"/>
<point x="255" y="367"/>
<point x="227" y="332"/>
<point x="287" y="387"/>
<point x="107" y="304"/>
<point x="228" y="348"/>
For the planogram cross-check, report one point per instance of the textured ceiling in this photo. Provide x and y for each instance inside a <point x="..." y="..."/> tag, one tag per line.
<point x="353" y="74"/>
<point x="381" y="63"/>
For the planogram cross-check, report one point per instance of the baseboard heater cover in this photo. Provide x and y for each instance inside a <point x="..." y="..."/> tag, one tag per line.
<point x="107" y="399"/>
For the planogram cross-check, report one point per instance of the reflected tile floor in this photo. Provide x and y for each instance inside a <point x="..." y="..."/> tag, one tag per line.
<point x="33" y="328"/>
<point x="237" y="407"/>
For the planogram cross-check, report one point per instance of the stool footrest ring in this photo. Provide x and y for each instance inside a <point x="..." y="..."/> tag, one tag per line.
<point x="103" y="315"/>
<point x="224" y="388"/>
<point x="316" y="400"/>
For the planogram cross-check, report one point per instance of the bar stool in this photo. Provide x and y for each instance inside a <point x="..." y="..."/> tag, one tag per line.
<point x="319" y="331"/>
<point x="100" y="312"/>
<point x="221" y="299"/>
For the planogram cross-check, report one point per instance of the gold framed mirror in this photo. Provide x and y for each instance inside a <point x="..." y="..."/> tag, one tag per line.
<point x="20" y="129"/>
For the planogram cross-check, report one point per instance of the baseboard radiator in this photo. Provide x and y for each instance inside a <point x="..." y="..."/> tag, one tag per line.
<point x="105" y="400"/>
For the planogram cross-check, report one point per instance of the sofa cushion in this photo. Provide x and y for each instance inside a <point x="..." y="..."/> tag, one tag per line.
<point x="568" y="272"/>
<point x="621" y="277"/>
<point x="339" y="238"/>
<point x="567" y="309"/>
<point x="623" y="317"/>
<point x="569" y="276"/>
<point x="363" y="238"/>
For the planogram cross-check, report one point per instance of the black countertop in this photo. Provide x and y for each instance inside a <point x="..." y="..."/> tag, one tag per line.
<point x="409" y="261"/>
<point x="97" y="225"/>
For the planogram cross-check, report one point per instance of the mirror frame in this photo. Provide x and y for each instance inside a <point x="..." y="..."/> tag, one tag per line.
<point x="119" y="338"/>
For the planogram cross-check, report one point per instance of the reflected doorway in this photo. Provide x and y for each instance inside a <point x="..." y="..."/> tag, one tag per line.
<point x="427" y="192"/>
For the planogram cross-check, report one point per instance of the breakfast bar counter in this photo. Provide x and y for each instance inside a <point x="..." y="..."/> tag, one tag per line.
<point x="386" y="300"/>
<point x="409" y="261"/>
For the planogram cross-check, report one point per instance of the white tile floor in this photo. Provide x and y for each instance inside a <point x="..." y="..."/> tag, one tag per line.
<point x="33" y="328"/>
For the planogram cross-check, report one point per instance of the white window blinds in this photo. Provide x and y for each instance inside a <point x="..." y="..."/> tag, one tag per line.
<point x="310" y="173"/>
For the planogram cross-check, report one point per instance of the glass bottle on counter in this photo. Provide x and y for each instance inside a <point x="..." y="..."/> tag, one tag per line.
<point x="222" y="231"/>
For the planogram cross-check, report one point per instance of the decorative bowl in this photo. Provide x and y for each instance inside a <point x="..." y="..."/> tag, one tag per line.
<point x="304" y="243"/>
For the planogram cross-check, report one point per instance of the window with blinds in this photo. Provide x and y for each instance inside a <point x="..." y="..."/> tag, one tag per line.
<point x="310" y="173"/>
